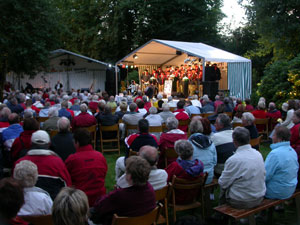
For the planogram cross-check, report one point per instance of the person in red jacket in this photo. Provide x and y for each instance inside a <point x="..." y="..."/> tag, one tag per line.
<point x="295" y="138"/>
<point x="87" y="167"/>
<point x="22" y="144"/>
<point x="84" y="119"/>
<point x="167" y="140"/>
<point x="186" y="168"/>
<point x="53" y="173"/>
<point x="181" y="114"/>
<point x="260" y="113"/>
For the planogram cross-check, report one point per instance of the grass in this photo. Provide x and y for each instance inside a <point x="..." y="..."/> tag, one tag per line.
<point x="288" y="217"/>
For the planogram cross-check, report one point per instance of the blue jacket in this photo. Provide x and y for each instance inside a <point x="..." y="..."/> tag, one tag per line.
<point x="10" y="134"/>
<point x="205" y="151"/>
<point x="281" y="171"/>
<point x="63" y="112"/>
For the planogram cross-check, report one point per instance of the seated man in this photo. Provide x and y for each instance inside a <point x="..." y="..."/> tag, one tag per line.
<point x="87" y="167"/>
<point x="136" y="200"/>
<point x="281" y="166"/>
<point x="242" y="180"/>
<point x="132" y="118"/>
<point x="64" y="111"/>
<point x="181" y="114"/>
<point x="157" y="177"/>
<point x="12" y="132"/>
<point x="62" y="142"/>
<point x="191" y="109"/>
<point x="84" y="119"/>
<point x="51" y="123"/>
<point x="53" y="174"/>
<point x="223" y="142"/>
<point x="166" y="113"/>
<point x="135" y="142"/>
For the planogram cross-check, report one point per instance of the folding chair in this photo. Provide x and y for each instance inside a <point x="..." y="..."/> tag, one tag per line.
<point x="42" y="119"/>
<point x="194" y="188"/>
<point x="147" y="219"/>
<point x="130" y="127"/>
<point x="53" y="133"/>
<point x="38" y="220"/>
<point x="116" y="139"/>
<point x="169" y="153"/>
<point x="93" y="132"/>
<point x="256" y="141"/>
<point x="162" y="196"/>
<point x="262" y="126"/>
<point x="234" y="125"/>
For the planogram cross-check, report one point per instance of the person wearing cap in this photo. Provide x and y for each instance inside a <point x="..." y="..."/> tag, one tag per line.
<point x="53" y="174"/>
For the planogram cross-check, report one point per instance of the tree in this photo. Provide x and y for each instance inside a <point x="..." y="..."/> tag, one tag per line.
<point x="28" y="32"/>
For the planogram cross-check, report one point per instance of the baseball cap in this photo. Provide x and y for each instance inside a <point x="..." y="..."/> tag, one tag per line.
<point x="40" y="137"/>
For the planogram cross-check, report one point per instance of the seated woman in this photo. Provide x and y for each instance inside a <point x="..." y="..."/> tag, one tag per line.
<point x="37" y="201"/>
<point x="136" y="200"/>
<point x="184" y="167"/>
<point x="238" y="114"/>
<point x="154" y="120"/>
<point x="260" y="113"/>
<point x="248" y="122"/>
<point x="168" y="139"/>
<point x="204" y="149"/>
<point x="70" y="207"/>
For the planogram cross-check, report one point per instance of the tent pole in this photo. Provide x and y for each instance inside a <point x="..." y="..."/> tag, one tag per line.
<point x="116" y="73"/>
<point x="203" y="74"/>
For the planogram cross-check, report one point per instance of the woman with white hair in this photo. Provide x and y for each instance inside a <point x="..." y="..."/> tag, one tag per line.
<point x="248" y="122"/>
<point x="154" y="120"/>
<point x="37" y="201"/>
<point x="260" y="113"/>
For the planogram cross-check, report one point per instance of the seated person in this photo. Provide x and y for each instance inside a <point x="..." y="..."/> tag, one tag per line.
<point x="167" y="140"/>
<point x="166" y="113"/>
<point x="248" y="122"/>
<point x="249" y="107"/>
<point x="132" y="118"/>
<point x="242" y="180"/>
<point x="123" y="110"/>
<point x="223" y="142"/>
<point x="108" y="119"/>
<point x="70" y="207"/>
<point x="11" y="200"/>
<point x="295" y="140"/>
<point x="281" y="166"/>
<point x="136" y="200"/>
<point x="260" y="113"/>
<point x="135" y="142"/>
<point x="154" y="120"/>
<point x="84" y="119"/>
<point x="238" y="114"/>
<point x="184" y="167"/>
<point x="181" y="114"/>
<point x="157" y="177"/>
<point x="204" y="149"/>
<point x="51" y="123"/>
<point x="37" y="201"/>
<point x="191" y="109"/>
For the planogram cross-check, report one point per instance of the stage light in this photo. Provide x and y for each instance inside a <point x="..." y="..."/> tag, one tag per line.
<point x="126" y="66"/>
<point x="109" y="65"/>
<point x="135" y="56"/>
<point x="131" y="66"/>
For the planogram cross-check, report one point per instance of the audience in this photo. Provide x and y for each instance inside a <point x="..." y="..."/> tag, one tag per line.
<point x="242" y="181"/>
<point x="63" y="111"/>
<point x="136" y="200"/>
<point x="51" y="123"/>
<point x="62" y="143"/>
<point x="248" y="122"/>
<point x="84" y="119"/>
<point x="191" y="109"/>
<point x="37" y="201"/>
<point x="166" y="113"/>
<point x="181" y="115"/>
<point x="132" y="118"/>
<point x="87" y="167"/>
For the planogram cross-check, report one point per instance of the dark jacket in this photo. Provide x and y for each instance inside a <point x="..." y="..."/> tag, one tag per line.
<point x="63" y="145"/>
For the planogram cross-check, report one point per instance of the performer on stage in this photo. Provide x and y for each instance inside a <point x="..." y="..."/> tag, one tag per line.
<point x="145" y="79"/>
<point x="58" y="86"/>
<point x="132" y="87"/>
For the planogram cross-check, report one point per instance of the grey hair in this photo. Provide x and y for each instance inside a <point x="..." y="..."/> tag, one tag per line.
<point x="159" y="96"/>
<point x="83" y="107"/>
<point x="224" y="119"/>
<point x="145" y="98"/>
<point x="272" y="106"/>
<point x="247" y="116"/>
<point x="70" y="206"/>
<point x="282" y="133"/>
<point x="27" y="114"/>
<point x="196" y="127"/>
<point x="165" y="107"/>
<point x="132" y="107"/>
<point x="153" y="110"/>
<point x="53" y="111"/>
<point x="184" y="149"/>
<point x="65" y="98"/>
<point x="63" y="124"/>
<point x="261" y="105"/>
<point x="5" y="112"/>
<point x="170" y="98"/>
<point x="241" y="136"/>
<point x="171" y="123"/>
<point x="26" y="173"/>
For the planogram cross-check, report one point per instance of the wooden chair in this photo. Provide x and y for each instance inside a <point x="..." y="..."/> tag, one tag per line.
<point x="93" y="132"/>
<point x="162" y="196"/>
<point x="234" y="125"/>
<point x="205" y="115"/>
<point x="272" y="123"/>
<point x="255" y="141"/>
<point x="38" y="220"/>
<point x="172" y="109"/>
<point x="164" y="127"/>
<point x="130" y="127"/>
<point x="169" y="153"/>
<point x="229" y="114"/>
<point x="53" y="133"/>
<point x="264" y="123"/>
<point x="155" y="129"/>
<point x="148" y="219"/>
<point x="42" y="119"/>
<point x="116" y="139"/>
<point x="197" y="200"/>
<point x="184" y="122"/>
<point x="192" y="115"/>
<point x="132" y="153"/>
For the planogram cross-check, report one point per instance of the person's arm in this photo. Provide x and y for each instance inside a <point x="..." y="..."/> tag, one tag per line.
<point x="229" y="173"/>
<point x="288" y="118"/>
<point x="271" y="166"/>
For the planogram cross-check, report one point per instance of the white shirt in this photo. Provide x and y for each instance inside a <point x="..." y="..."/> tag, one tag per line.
<point x="37" y="202"/>
<point x="154" y="120"/>
<point x="142" y="111"/>
<point x="196" y="102"/>
<point x="244" y="175"/>
<point x="157" y="178"/>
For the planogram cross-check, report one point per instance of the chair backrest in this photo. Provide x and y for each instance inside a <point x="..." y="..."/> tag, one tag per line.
<point x="156" y="129"/>
<point x="172" y="109"/>
<point x="262" y="121"/>
<point x="162" y="193"/>
<point x="229" y="114"/>
<point x="184" y="122"/>
<point x="114" y="127"/>
<point x="42" y="119"/>
<point x="234" y="125"/>
<point x="192" y="115"/>
<point x="169" y="153"/>
<point x="132" y="153"/>
<point x="38" y="220"/>
<point x="205" y="115"/>
<point x="147" y="219"/>
<point x="255" y="141"/>
<point x="53" y="133"/>
<point x="130" y="127"/>
<point x="92" y="129"/>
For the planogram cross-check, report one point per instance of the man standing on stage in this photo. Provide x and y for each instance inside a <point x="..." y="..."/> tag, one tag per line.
<point x="145" y="79"/>
<point x="58" y="86"/>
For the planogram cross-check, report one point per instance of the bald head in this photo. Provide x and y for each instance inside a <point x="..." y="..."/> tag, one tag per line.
<point x="149" y="153"/>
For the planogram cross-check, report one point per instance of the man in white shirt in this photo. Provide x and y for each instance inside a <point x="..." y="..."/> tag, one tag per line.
<point x="243" y="179"/>
<point x="157" y="177"/>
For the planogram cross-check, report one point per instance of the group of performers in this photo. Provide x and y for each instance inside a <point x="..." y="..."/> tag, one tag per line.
<point x="183" y="77"/>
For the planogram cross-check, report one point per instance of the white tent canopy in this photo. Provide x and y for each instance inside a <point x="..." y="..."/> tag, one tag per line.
<point x="168" y="53"/>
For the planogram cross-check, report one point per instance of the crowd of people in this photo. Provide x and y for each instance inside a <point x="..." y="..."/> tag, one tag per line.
<point x="64" y="175"/>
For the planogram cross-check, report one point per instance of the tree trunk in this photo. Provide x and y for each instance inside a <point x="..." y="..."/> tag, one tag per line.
<point x="2" y="81"/>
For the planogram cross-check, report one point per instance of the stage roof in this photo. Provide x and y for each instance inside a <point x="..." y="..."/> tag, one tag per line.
<point x="162" y="52"/>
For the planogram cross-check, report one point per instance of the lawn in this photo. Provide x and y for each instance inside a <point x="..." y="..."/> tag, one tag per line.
<point x="288" y="217"/>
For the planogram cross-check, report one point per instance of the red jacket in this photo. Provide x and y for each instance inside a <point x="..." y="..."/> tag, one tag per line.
<point x="88" y="169"/>
<point x="93" y="106"/>
<point x="259" y="114"/>
<point x="167" y="140"/>
<point x="72" y="112"/>
<point x="83" y="120"/>
<point x="181" y="114"/>
<point x="22" y="142"/>
<point x="295" y="139"/>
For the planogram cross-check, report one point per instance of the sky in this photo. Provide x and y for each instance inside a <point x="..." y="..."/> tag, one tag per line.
<point x="235" y="14"/>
